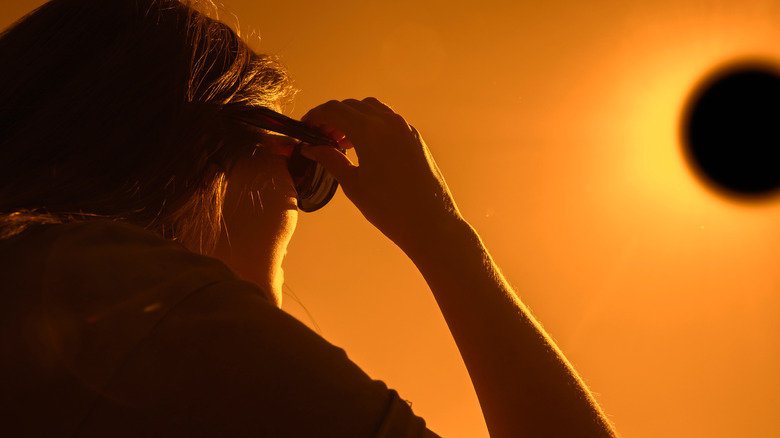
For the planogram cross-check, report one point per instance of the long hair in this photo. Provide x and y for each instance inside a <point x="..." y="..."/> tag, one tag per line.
<point x="114" y="109"/>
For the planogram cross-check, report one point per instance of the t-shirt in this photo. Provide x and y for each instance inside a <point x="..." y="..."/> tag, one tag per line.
<point x="107" y="329"/>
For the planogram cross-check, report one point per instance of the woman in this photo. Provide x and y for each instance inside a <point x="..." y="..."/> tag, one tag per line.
<point x="143" y="228"/>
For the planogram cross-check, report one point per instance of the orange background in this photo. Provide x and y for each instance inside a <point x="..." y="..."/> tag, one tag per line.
<point x="555" y="124"/>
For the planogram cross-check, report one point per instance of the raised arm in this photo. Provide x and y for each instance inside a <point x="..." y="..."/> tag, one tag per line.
<point x="525" y="385"/>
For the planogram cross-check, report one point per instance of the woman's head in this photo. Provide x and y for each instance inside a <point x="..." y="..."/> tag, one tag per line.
<point x="114" y="109"/>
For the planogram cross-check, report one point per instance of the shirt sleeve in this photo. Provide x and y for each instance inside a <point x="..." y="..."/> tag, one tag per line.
<point x="226" y="362"/>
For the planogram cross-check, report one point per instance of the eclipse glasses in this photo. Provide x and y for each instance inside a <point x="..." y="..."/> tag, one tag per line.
<point x="315" y="186"/>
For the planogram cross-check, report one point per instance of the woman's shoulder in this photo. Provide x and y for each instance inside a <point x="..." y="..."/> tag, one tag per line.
<point x="112" y="249"/>
<point x="102" y="233"/>
<point x="162" y="339"/>
<point x="106" y="264"/>
<point x="77" y="299"/>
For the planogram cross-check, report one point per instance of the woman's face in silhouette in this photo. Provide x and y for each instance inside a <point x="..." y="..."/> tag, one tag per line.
<point x="260" y="213"/>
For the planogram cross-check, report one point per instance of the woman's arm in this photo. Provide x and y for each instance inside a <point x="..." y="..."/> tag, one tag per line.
<point x="525" y="385"/>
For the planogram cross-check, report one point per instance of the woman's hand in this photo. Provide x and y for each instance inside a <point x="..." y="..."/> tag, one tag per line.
<point x="524" y="384"/>
<point x="397" y="185"/>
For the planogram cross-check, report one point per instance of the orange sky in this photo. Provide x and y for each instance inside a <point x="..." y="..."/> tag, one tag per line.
<point x="555" y="124"/>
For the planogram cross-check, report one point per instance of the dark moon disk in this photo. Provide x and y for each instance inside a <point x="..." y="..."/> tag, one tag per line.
<point x="731" y="130"/>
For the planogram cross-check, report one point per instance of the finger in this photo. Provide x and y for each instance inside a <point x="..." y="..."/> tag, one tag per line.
<point x="376" y="103"/>
<point x="341" y="119"/>
<point x="369" y="105"/>
<point x="344" y="143"/>
<point x="336" y="135"/>
<point x="338" y="164"/>
<point x="338" y="116"/>
<point x="361" y="106"/>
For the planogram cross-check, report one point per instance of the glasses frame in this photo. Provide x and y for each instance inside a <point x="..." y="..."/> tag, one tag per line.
<point x="315" y="186"/>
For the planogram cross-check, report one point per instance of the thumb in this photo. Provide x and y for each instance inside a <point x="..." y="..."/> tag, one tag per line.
<point x="333" y="160"/>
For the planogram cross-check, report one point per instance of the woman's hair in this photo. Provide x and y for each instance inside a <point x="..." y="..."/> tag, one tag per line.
<point x="115" y="109"/>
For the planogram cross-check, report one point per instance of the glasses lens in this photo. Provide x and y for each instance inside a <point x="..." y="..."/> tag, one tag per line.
<point x="315" y="186"/>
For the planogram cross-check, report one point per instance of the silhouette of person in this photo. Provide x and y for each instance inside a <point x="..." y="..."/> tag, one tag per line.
<point x="143" y="232"/>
